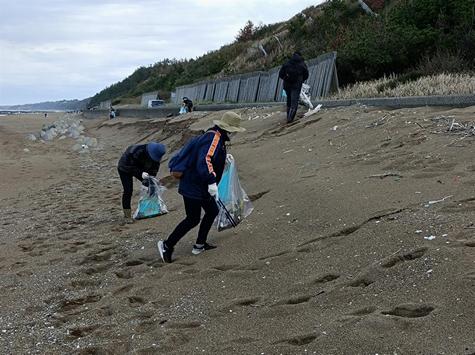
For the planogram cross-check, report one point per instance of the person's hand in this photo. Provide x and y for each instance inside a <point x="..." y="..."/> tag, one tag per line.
<point x="213" y="190"/>
<point x="145" y="175"/>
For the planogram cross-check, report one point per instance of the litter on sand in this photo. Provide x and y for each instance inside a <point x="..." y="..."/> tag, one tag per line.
<point x="312" y="112"/>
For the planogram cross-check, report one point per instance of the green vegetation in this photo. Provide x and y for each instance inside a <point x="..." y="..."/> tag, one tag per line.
<point x="409" y="37"/>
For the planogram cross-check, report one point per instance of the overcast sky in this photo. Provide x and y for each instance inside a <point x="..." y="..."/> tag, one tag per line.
<point x="53" y="49"/>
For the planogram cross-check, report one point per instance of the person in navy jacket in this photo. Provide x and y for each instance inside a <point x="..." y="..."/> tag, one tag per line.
<point x="198" y="185"/>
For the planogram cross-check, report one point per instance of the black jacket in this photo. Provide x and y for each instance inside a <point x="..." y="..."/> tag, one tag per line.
<point x="294" y="72"/>
<point x="136" y="160"/>
<point x="189" y="104"/>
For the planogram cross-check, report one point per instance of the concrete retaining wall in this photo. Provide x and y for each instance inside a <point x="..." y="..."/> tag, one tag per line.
<point x="389" y="102"/>
<point x="105" y="105"/>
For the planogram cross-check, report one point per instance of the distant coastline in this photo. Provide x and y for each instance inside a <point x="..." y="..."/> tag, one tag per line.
<point x="19" y="112"/>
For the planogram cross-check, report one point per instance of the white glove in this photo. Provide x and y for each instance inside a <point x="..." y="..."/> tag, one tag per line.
<point x="145" y="175"/>
<point x="213" y="190"/>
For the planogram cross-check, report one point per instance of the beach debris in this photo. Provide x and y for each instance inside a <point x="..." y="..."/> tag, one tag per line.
<point x="470" y="226"/>
<point x="449" y="124"/>
<point x="468" y="128"/>
<point x="31" y="137"/>
<point x="80" y="147"/>
<point x="437" y="201"/>
<point x="379" y="122"/>
<point x="89" y="141"/>
<point x="311" y="112"/>
<point x="382" y="176"/>
<point x="430" y="237"/>
<point x="305" y="96"/>
<point x="418" y="231"/>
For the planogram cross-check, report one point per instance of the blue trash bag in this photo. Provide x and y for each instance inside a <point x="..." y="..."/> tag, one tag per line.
<point x="151" y="203"/>
<point x="234" y="204"/>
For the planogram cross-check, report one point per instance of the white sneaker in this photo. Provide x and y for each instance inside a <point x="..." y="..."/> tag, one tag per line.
<point x="198" y="250"/>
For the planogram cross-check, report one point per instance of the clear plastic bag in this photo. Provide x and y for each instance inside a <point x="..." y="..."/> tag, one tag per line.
<point x="234" y="204"/>
<point x="151" y="203"/>
<point x="305" y="96"/>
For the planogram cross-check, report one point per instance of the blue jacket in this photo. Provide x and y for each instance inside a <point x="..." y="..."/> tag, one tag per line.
<point x="207" y="165"/>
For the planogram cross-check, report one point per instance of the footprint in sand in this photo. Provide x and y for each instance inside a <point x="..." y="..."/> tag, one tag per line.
<point x="412" y="255"/>
<point x="324" y="278"/>
<point x="298" y="340"/>
<point x="136" y="301"/>
<point x="410" y="310"/>
<point x="71" y="304"/>
<point x="363" y="311"/>
<point x="82" y="331"/>
<point x="362" y="281"/>
<point x="293" y="300"/>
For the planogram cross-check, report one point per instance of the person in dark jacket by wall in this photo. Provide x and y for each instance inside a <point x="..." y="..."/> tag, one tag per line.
<point x="188" y="104"/>
<point x="139" y="161"/>
<point x="198" y="185"/>
<point x="294" y="72"/>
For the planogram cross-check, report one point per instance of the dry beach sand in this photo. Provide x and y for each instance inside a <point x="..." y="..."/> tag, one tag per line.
<point x="338" y="256"/>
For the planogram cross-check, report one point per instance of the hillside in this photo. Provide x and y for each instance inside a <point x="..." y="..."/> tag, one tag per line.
<point x="413" y="38"/>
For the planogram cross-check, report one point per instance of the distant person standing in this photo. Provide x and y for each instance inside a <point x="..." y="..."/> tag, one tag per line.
<point x="294" y="72"/>
<point x="46" y="114"/>
<point x="188" y="104"/>
<point x="111" y="113"/>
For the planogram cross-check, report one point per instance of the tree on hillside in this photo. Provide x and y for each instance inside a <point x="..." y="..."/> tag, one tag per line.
<point x="247" y="32"/>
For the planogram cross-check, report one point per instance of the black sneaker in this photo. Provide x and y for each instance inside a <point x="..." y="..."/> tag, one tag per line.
<point x="165" y="252"/>
<point x="198" y="250"/>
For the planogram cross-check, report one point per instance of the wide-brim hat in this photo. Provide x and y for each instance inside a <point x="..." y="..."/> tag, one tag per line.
<point x="230" y="122"/>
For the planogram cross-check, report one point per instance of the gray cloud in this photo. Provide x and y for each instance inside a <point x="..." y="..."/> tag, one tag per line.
<point x="52" y="49"/>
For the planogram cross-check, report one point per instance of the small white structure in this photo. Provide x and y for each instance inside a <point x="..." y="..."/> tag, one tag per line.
<point x="146" y="97"/>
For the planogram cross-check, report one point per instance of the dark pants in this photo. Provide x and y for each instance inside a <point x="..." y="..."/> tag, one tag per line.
<point x="127" y="180"/>
<point x="193" y="215"/>
<point x="293" y="95"/>
<point x="128" y="185"/>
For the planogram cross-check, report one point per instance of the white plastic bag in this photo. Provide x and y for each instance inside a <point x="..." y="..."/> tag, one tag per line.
<point x="234" y="204"/>
<point x="151" y="203"/>
<point x="305" y="96"/>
